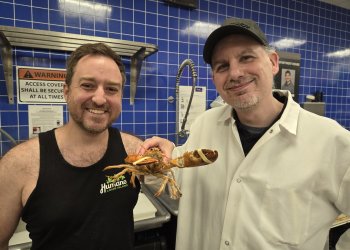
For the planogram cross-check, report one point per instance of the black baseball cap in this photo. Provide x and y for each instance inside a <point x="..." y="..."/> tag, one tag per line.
<point x="229" y="27"/>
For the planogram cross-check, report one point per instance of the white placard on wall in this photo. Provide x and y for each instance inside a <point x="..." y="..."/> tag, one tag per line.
<point x="42" y="118"/>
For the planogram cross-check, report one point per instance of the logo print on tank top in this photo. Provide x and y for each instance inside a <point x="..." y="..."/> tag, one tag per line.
<point x="112" y="184"/>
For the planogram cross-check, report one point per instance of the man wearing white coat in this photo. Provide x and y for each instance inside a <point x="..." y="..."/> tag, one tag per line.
<point x="283" y="173"/>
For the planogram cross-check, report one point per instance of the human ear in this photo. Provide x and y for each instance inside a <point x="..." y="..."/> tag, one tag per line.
<point x="274" y="59"/>
<point x="65" y="91"/>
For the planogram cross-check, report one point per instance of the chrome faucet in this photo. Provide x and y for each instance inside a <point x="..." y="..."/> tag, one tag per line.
<point x="186" y="62"/>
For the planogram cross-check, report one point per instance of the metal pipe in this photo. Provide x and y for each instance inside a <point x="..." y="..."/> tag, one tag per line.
<point x="190" y="64"/>
<point x="8" y="136"/>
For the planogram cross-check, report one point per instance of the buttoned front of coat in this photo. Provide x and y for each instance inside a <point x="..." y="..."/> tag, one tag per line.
<point x="285" y="194"/>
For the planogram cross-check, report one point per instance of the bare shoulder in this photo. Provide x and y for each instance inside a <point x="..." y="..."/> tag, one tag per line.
<point x="132" y="143"/>
<point x="22" y="160"/>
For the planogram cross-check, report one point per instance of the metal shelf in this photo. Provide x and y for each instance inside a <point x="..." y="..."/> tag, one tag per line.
<point x="43" y="39"/>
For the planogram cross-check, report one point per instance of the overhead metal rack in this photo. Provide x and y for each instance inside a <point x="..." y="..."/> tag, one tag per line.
<point x="43" y="39"/>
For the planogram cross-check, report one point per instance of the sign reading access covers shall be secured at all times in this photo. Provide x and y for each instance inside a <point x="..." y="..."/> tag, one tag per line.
<point x="40" y="85"/>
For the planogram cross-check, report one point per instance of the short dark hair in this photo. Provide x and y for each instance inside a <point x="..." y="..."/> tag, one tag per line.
<point x="92" y="49"/>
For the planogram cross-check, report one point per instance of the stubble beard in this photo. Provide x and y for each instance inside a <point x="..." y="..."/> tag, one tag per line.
<point x="246" y="104"/>
<point x="87" y="128"/>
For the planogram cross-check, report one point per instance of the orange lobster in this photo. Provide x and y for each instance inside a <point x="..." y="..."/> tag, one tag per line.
<point x="152" y="163"/>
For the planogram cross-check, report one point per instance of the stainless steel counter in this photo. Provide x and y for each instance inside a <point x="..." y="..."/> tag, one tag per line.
<point x="171" y="205"/>
<point x="162" y="215"/>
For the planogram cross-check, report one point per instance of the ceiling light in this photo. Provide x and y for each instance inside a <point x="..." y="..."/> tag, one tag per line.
<point x="286" y="43"/>
<point x="86" y="8"/>
<point x="200" y="29"/>
<point x="339" y="53"/>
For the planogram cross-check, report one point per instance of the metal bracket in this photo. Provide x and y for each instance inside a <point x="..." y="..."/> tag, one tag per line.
<point x="6" y="57"/>
<point x="136" y="63"/>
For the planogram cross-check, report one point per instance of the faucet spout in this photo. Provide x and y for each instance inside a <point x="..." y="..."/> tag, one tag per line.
<point x="186" y="62"/>
<point x="190" y="64"/>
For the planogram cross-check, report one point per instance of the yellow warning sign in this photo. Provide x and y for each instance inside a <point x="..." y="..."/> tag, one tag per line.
<point x="40" y="85"/>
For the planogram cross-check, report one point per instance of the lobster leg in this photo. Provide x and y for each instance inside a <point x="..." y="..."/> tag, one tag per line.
<point x="175" y="192"/>
<point x="133" y="173"/>
<point x="116" y="166"/>
<point x="174" y="187"/>
<point x="163" y="184"/>
<point x="116" y="176"/>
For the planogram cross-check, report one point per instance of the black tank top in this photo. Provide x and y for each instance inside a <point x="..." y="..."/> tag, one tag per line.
<point x="75" y="208"/>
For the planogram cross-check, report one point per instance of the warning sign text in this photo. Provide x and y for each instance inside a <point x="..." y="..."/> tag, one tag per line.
<point x="40" y="85"/>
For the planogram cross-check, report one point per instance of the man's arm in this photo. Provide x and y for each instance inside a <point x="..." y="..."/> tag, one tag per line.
<point x="10" y="199"/>
<point x="16" y="175"/>
<point x="131" y="143"/>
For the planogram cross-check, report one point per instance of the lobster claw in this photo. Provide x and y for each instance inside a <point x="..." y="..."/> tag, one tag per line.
<point x="199" y="157"/>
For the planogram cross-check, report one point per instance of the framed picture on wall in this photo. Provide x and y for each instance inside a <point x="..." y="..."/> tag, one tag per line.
<point x="288" y="79"/>
<point x="288" y="76"/>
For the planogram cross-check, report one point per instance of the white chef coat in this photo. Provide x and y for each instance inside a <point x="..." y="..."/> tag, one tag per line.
<point x="285" y="194"/>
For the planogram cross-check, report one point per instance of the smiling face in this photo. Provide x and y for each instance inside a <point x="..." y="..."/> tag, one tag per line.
<point x="243" y="72"/>
<point x="95" y="93"/>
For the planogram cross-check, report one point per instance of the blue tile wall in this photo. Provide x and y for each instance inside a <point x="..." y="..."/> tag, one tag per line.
<point x="325" y="28"/>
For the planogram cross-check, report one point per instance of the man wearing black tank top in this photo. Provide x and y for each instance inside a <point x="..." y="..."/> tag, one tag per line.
<point x="55" y="182"/>
<point x="283" y="173"/>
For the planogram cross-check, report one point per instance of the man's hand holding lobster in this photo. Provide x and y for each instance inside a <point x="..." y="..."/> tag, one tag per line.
<point x="154" y="159"/>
